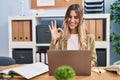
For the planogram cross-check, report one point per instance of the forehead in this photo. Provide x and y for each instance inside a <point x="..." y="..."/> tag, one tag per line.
<point x="73" y="13"/>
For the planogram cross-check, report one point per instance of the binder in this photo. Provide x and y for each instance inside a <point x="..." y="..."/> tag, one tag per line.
<point x="20" y="32"/>
<point x="98" y="30"/>
<point x="27" y="31"/>
<point x="92" y="27"/>
<point x="14" y="30"/>
<point x="87" y="25"/>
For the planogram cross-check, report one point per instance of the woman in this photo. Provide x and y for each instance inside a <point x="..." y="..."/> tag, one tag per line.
<point x="73" y="36"/>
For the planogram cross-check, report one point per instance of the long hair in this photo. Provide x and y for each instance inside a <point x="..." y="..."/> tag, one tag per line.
<point x="80" y="28"/>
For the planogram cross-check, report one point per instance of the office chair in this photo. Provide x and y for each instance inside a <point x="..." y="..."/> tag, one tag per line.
<point x="6" y="61"/>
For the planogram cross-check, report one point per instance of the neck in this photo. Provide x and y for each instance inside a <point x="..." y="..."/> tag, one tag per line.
<point x="73" y="32"/>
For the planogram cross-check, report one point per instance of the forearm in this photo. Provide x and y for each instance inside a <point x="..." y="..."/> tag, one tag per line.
<point x="94" y="56"/>
<point x="52" y="45"/>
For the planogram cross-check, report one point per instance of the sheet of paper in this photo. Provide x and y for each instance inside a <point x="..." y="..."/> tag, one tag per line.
<point x="98" y="70"/>
<point x="45" y="2"/>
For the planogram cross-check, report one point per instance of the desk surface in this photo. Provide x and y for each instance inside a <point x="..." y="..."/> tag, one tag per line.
<point x="94" y="75"/>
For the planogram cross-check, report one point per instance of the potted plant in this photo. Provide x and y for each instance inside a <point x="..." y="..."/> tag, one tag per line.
<point x="64" y="73"/>
<point x="115" y="12"/>
<point x="115" y="17"/>
<point x="115" y="39"/>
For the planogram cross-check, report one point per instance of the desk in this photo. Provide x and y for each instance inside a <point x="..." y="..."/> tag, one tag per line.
<point x="94" y="75"/>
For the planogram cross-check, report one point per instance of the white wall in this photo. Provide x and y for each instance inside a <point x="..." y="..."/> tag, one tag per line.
<point x="13" y="8"/>
<point x="8" y="8"/>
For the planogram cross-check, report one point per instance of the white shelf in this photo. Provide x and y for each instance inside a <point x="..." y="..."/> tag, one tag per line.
<point x="42" y="44"/>
<point x="101" y="44"/>
<point x="22" y="46"/>
<point x="92" y="16"/>
<point x="22" y="43"/>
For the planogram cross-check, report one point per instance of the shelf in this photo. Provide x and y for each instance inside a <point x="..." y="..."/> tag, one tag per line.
<point x="34" y="44"/>
<point x="42" y="44"/>
<point x="98" y="16"/>
<point x="22" y="45"/>
<point x="101" y="44"/>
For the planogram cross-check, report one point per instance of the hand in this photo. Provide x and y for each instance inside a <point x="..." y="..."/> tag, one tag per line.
<point x="55" y="32"/>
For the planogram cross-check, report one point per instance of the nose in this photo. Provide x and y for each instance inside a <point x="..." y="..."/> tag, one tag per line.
<point x="72" y="19"/>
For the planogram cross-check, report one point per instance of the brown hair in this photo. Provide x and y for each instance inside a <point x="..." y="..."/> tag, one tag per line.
<point x="81" y="29"/>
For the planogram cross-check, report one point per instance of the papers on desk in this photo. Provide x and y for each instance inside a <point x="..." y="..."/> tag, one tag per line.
<point x="98" y="70"/>
<point x="115" y="68"/>
<point x="29" y="70"/>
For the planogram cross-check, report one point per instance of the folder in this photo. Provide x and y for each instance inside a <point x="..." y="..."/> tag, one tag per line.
<point x="98" y="30"/>
<point x="20" y="31"/>
<point x="92" y="27"/>
<point x="15" y="30"/>
<point x="87" y="25"/>
<point x="27" y="31"/>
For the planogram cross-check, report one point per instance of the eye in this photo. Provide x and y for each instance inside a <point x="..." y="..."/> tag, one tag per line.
<point x="76" y="17"/>
<point x="69" y="16"/>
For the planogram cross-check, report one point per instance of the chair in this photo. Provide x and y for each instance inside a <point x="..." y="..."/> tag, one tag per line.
<point x="6" y="61"/>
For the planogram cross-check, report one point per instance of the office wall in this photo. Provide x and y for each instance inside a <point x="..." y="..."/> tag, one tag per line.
<point x="8" y="8"/>
<point x="13" y="8"/>
<point x="113" y="28"/>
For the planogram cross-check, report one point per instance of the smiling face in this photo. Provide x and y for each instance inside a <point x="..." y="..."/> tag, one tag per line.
<point x="73" y="21"/>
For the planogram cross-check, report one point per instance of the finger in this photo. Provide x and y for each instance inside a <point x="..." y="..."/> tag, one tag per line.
<point x="50" y="27"/>
<point x="61" y="30"/>
<point x="52" y="24"/>
<point x="55" y="24"/>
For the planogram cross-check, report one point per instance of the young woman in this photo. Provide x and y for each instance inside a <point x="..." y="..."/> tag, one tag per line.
<point x="73" y="36"/>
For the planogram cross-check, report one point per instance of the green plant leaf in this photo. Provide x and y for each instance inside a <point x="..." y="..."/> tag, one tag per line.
<point x="115" y="40"/>
<point x="64" y="73"/>
<point x="115" y="12"/>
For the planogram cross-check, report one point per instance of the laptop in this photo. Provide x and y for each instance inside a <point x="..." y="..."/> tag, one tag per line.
<point x="79" y="60"/>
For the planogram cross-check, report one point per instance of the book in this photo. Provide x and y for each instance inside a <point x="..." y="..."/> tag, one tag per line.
<point x="27" y="31"/>
<point x="99" y="30"/>
<point x="15" y="29"/>
<point x="29" y="70"/>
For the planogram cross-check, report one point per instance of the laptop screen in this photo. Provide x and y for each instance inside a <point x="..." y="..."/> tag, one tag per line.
<point x="79" y="60"/>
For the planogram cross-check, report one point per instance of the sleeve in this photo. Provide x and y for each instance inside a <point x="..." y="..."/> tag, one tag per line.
<point x="52" y="46"/>
<point x="55" y="46"/>
<point x="92" y="47"/>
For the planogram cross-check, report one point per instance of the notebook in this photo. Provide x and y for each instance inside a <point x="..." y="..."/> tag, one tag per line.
<point x="79" y="60"/>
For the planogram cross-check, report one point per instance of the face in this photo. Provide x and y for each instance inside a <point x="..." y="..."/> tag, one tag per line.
<point x="73" y="21"/>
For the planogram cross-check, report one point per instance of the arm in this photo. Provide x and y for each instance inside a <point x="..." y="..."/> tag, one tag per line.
<point x="56" y="45"/>
<point x="55" y="35"/>
<point x="91" y="41"/>
<point x="52" y="45"/>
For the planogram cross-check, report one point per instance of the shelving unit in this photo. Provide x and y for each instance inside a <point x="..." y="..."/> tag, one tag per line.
<point x="33" y="45"/>
<point x="21" y="44"/>
<point x="105" y="44"/>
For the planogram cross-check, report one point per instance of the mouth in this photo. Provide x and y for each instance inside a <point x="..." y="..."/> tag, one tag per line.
<point x="72" y="24"/>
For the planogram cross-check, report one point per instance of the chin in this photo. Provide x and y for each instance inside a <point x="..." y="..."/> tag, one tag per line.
<point x="72" y="27"/>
